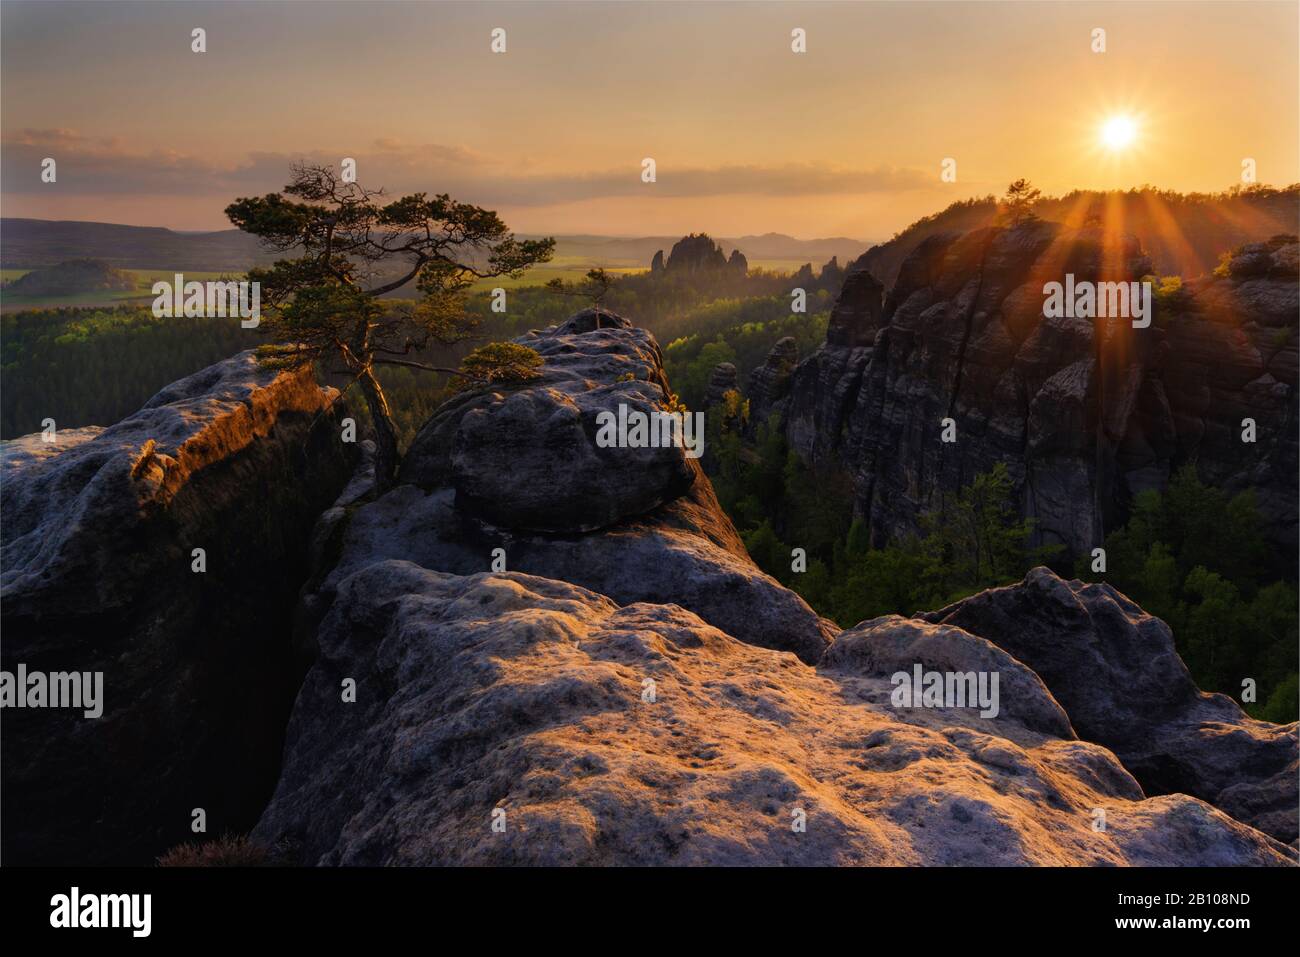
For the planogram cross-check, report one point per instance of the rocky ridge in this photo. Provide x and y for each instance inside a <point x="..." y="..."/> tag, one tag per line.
<point x="641" y="693"/>
<point x="1086" y="414"/>
<point x="536" y="650"/>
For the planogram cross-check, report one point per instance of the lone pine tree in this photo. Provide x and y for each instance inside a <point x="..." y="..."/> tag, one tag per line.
<point x="353" y="248"/>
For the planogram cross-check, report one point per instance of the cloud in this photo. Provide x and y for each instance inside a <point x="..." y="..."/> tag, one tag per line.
<point x="792" y="179"/>
<point x="105" y="167"/>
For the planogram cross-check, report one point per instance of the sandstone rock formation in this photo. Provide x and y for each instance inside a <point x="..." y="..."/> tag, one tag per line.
<point x="832" y="275"/>
<point x="696" y="253"/>
<point x="769" y="384"/>
<point x="1114" y="669"/>
<point x="520" y="471"/>
<point x="627" y="695"/>
<point x="722" y="380"/>
<point x="558" y="657"/>
<point x="96" y="575"/>
<point x="1085" y="413"/>
<point x="511" y="719"/>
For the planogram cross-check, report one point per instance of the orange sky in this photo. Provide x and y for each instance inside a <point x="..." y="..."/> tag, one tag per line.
<point x="846" y="139"/>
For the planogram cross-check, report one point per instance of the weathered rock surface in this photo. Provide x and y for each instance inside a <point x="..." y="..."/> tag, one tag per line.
<point x="95" y="575"/>
<point x="631" y="690"/>
<point x="589" y="320"/>
<point x="1085" y="413"/>
<point x="590" y="733"/>
<point x="484" y="691"/>
<point x="520" y="472"/>
<point x="886" y="646"/>
<point x="1115" y="671"/>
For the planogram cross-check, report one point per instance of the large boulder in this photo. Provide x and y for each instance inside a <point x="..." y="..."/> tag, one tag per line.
<point x="1116" y="672"/>
<point x="893" y="645"/>
<point x="516" y="478"/>
<point x="510" y="719"/>
<point x="527" y="455"/>
<point x="531" y="460"/>
<point x="97" y="575"/>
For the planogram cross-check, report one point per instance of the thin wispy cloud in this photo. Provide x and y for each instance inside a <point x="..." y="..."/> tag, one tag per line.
<point x="93" y="165"/>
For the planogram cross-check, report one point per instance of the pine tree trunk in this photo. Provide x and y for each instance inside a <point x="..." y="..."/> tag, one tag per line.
<point x="385" y="433"/>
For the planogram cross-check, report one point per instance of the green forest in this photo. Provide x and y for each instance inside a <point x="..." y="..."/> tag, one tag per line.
<point x="1192" y="556"/>
<point x="95" y="366"/>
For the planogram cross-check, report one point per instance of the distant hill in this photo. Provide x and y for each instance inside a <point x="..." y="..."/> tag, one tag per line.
<point x="1184" y="234"/>
<point x="31" y="243"/>
<point x="70" y="277"/>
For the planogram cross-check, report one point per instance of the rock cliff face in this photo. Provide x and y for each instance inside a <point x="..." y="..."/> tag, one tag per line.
<point x="1086" y="413"/>
<point x="639" y="692"/>
<point x="769" y="384"/>
<point x="723" y="380"/>
<point x="96" y="569"/>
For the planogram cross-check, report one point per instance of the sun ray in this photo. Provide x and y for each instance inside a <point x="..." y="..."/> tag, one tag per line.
<point x="1186" y="257"/>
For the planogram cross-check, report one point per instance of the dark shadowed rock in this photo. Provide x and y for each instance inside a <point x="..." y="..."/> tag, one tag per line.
<point x="530" y="461"/>
<point x="96" y="564"/>
<point x="722" y="380"/>
<point x="832" y="275"/>
<point x="769" y="384"/>
<point x="1115" y="671"/>
<point x="1085" y="414"/>
<point x="510" y="719"/>
<point x="574" y="363"/>
<point x="825" y="386"/>
<point x="696" y="253"/>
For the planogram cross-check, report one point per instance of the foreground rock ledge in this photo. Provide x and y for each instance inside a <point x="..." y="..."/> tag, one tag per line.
<point x="524" y="700"/>
<point x="1116" y="672"/>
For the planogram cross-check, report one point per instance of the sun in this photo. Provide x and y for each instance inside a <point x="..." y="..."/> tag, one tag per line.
<point x="1118" y="132"/>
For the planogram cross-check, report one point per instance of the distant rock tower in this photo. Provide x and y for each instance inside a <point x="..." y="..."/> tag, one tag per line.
<point x="695" y="253"/>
